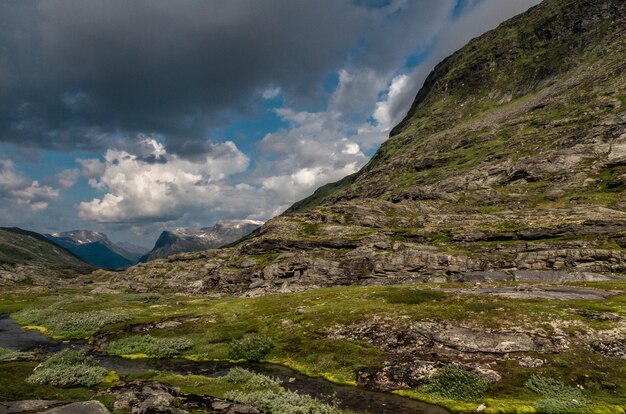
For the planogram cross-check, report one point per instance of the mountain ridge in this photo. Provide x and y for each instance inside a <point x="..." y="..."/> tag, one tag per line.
<point x="29" y="258"/>
<point x="510" y="165"/>
<point x="94" y="247"/>
<point x="171" y="242"/>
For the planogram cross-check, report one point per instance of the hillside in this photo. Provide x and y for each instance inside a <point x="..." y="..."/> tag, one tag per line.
<point x="188" y="240"/>
<point x="29" y="258"/>
<point x="95" y="248"/>
<point x="510" y="165"/>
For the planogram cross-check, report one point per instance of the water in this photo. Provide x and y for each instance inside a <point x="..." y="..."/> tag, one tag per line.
<point x="355" y="399"/>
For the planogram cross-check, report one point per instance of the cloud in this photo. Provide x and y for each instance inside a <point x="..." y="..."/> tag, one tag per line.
<point x="67" y="178"/>
<point x="18" y="189"/>
<point x="84" y="74"/>
<point x="271" y="92"/>
<point x="137" y="189"/>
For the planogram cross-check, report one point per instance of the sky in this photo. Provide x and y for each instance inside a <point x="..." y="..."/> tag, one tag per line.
<point x="135" y="117"/>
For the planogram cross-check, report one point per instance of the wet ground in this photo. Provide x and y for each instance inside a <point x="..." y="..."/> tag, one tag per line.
<point x="352" y="398"/>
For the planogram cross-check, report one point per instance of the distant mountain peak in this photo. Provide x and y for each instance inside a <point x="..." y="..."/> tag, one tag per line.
<point x="181" y="240"/>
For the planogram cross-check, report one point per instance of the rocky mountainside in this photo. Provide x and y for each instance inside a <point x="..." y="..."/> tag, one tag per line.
<point x="30" y="258"/>
<point x="188" y="240"/>
<point x="94" y="248"/>
<point x="510" y="165"/>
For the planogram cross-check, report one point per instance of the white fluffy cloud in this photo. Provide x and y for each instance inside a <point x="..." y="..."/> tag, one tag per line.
<point x="156" y="186"/>
<point x="18" y="189"/>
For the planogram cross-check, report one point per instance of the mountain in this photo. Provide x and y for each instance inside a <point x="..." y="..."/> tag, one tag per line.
<point x="133" y="251"/>
<point x="30" y="258"/>
<point x="94" y="248"/>
<point x="186" y="240"/>
<point x="510" y="165"/>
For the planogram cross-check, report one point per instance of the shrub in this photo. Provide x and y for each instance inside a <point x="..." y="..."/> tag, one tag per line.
<point x="150" y="346"/>
<point x="557" y="396"/>
<point x="70" y="325"/>
<point x="68" y="368"/>
<point x="7" y="354"/>
<point x="410" y="296"/>
<point x="251" y="381"/>
<point x="282" y="402"/>
<point x="251" y="348"/>
<point x="457" y="383"/>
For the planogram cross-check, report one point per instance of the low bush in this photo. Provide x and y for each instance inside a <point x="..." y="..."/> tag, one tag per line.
<point x="456" y="383"/>
<point x="409" y="296"/>
<point x="251" y="381"/>
<point x="149" y="345"/>
<point x="68" y="368"/>
<point x="251" y="348"/>
<point x="70" y="325"/>
<point x="557" y="396"/>
<point x="7" y="354"/>
<point x="282" y="402"/>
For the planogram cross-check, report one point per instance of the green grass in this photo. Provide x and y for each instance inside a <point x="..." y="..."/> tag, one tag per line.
<point x="299" y="324"/>
<point x="557" y="397"/>
<point x="7" y="354"/>
<point x="410" y="296"/>
<point x="456" y="383"/>
<point x="70" y="325"/>
<point x="149" y="346"/>
<point x="251" y="348"/>
<point x="67" y="369"/>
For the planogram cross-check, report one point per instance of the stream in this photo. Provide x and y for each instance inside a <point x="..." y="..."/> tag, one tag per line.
<point x="351" y="398"/>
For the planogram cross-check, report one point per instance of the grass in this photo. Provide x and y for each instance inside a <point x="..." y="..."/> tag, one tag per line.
<point x="69" y="325"/>
<point x="7" y="354"/>
<point x="149" y="346"/>
<point x="410" y="296"/>
<point x="456" y="383"/>
<point x="251" y="348"/>
<point x="68" y="368"/>
<point x="299" y="324"/>
<point x="557" y="397"/>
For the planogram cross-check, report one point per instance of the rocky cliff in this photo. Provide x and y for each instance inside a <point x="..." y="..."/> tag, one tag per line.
<point x="510" y="165"/>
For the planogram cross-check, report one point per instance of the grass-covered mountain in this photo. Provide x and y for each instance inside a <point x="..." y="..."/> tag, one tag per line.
<point x="183" y="240"/>
<point x="30" y="258"/>
<point x="94" y="248"/>
<point x="510" y="165"/>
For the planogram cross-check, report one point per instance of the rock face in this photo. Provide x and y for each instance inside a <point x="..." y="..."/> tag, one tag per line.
<point x="154" y="397"/>
<point x="30" y="258"/>
<point x="187" y="240"/>
<point x="508" y="166"/>
<point x="94" y="248"/>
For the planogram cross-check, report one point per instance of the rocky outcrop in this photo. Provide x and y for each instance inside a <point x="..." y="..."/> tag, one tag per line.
<point x="154" y="397"/>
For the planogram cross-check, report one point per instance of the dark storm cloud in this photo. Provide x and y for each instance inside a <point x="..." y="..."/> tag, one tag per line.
<point x="76" y="74"/>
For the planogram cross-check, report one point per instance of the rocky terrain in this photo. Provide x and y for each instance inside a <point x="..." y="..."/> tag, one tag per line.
<point x="188" y="240"/>
<point x="511" y="162"/>
<point x="94" y="248"/>
<point x="28" y="258"/>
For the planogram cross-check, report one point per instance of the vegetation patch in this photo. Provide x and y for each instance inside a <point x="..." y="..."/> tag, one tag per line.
<point x="557" y="397"/>
<point x="251" y="381"/>
<point x="409" y="296"/>
<point x="456" y="383"/>
<point x="68" y="368"/>
<point x="251" y="348"/>
<point x="149" y="346"/>
<point x="282" y="402"/>
<point x="7" y="354"/>
<point x="69" y="325"/>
